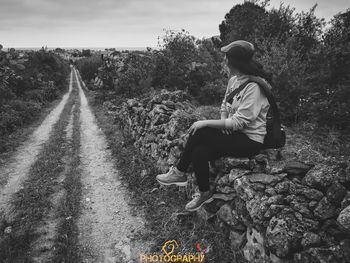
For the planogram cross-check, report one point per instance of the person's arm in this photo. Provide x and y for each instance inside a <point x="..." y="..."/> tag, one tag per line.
<point x="223" y="109"/>
<point x="218" y="124"/>
<point x="248" y="110"/>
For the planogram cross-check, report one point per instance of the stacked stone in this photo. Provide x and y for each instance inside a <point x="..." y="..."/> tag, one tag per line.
<point x="273" y="209"/>
<point x="158" y="125"/>
<point x="288" y="215"/>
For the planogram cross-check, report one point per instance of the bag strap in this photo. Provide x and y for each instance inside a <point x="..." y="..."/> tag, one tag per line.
<point x="272" y="101"/>
<point x="236" y="91"/>
<point x="265" y="90"/>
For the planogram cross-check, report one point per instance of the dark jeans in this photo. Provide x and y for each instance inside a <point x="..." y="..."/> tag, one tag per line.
<point x="209" y="144"/>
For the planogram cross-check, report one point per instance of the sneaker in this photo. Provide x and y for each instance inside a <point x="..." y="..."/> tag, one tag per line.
<point x="198" y="200"/>
<point x="174" y="176"/>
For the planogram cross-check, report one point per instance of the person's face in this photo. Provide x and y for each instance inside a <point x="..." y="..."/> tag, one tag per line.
<point x="226" y="67"/>
<point x="226" y="60"/>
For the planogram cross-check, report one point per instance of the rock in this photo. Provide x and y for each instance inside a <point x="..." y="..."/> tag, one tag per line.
<point x="235" y="174"/>
<point x="313" y="204"/>
<point x="344" y="218"/>
<point x="273" y="210"/>
<point x="261" y="164"/>
<point x="237" y="239"/>
<point x="229" y="163"/>
<point x="332" y="228"/>
<point x="265" y="178"/>
<point x="335" y="193"/>
<point x="275" y="259"/>
<point x="324" y="209"/>
<point x="276" y="199"/>
<point x="144" y="172"/>
<point x="227" y="215"/>
<point x="243" y="188"/>
<point x="290" y="198"/>
<point x="270" y="191"/>
<point x="301" y="208"/>
<point x="225" y="189"/>
<point x="225" y="197"/>
<point x="282" y="187"/>
<point x="223" y="181"/>
<point x="281" y="236"/>
<point x="310" y="240"/>
<point x="313" y="255"/>
<point x="254" y="250"/>
<point x="204" y="215"/>
<point x="257" y="208"/>
<point x="297" y="168"/>
<point x="345" y="248"/>
<point x="132" y="102"/>
<point x="320" y="177"/>
<point x="258" y="187"/>
<point x="8" y="230"/>
<point x="346" y="201"/>
<point x="310" y="193"/>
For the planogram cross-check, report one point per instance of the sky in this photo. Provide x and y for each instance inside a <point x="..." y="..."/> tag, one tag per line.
<point x="122" y="23"/>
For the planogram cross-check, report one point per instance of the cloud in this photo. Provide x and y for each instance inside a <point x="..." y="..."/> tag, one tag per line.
<point x="116" y="22"/>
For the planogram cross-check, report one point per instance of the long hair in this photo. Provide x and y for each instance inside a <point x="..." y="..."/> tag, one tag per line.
<point x="242" y="60"/>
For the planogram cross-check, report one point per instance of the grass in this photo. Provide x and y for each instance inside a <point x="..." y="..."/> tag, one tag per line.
<point x="69" y="209"/>
<point x="163" y="207"/>
<point x="10" y="142"/>
<point x="32" y="201"/>
<point x="328" y="141"/>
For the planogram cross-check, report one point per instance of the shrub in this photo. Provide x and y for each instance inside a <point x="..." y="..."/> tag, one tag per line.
<point x="88" y="67"/>
<point x="212" y="93"/>
<point x="136" y="76"/>
<point x="26" y="88"/>
<point x="288" y="74"/>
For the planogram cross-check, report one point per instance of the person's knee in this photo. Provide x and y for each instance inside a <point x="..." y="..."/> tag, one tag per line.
<point x="201" y="153"/>
<point x="202" y="134"/>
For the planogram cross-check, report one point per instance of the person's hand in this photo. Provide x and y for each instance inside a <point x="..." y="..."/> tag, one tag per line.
<point x="227" y="131"/>
<point x="196" y="126"/>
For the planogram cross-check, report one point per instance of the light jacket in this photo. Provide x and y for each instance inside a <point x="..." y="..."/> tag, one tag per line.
<point x="248" y="110"/>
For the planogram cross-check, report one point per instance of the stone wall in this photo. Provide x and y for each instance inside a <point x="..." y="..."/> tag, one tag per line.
<point x="291" y="205"/>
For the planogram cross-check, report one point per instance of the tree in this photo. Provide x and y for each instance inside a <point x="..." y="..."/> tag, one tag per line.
<point x="339" y="32"/>
<point x="308" y="32"/>
<point x="244" y="21"/>
<point x="86" y="53"/>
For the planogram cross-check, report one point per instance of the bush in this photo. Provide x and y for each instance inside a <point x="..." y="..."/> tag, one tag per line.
<point x="310" y="68"/>
<point x="212" y="93"/>
<point x="288" y="74"/>
<point x="136" y="76"/>
<point x="186" y="63"/>
<point x="88" y="67"/>
<point x="28" y="80"/>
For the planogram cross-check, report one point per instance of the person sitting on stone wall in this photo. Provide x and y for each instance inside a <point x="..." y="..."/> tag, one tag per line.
<point x="239" y="133"/>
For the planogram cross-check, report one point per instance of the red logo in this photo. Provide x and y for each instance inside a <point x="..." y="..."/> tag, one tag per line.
<point x="198" y="247"/>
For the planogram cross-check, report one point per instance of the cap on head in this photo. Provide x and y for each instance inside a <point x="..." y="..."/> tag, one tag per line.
<point x="243" y="47"/>
<point x="239" y="43"/>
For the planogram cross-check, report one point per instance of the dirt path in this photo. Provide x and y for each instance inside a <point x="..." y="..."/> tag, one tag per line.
<point x="14" y="172"/>
<point x="61" y="199"/>
<point x="106" y="221"/>
<point x="43" y="247"/>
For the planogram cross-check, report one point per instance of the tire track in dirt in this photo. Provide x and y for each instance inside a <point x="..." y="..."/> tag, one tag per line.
<point x="42" y="250"/>
<point x="31" y="212"/>
<point x="106" y="222"/>
<point x="14" y="173"/>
